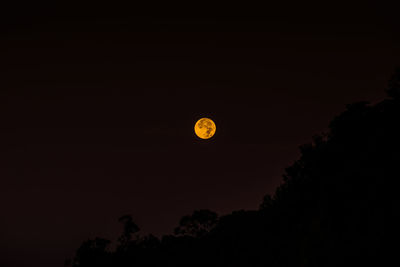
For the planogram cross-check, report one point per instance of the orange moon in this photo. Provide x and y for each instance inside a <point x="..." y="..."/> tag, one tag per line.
<point x="205" y="128"/>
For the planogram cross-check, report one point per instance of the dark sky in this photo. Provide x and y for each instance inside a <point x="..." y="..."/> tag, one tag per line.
<point x="98" y="104"/>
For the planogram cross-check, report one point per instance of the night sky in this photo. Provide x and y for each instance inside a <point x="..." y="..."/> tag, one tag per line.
<point x="98" y="104"/>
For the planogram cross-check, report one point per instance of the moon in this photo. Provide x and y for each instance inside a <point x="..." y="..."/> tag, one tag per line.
<point x="205" y="128"/>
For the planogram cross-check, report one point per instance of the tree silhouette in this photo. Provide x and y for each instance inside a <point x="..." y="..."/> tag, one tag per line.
<point x="129" y="229"/>
<point x="93" y="253"/>
<point x="393" y="89"/>
<point x="337" y="206"/>
<point x="198" y="224"/>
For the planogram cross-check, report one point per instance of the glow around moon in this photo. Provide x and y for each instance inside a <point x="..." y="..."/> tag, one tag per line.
<point x="205" y="128"/>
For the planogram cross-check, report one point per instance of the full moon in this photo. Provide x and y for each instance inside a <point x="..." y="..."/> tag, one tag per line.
<point x="205" y="128"/>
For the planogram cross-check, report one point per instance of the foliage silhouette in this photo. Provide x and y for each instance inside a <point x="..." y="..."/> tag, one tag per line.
<point x="130" y="228"/>
<point x="198" y="224"/>
<point x="93" y="253"/>
<point x="337" y="206"/>
<point x="393" y="89"/>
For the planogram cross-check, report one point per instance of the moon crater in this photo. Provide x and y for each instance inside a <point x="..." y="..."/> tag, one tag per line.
<point x="205" y="128"/>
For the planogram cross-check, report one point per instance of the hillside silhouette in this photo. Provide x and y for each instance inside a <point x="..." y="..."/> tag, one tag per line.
<point x="337" y="206"/>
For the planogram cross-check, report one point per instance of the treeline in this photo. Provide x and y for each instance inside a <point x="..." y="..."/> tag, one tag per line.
<point x="338" y="205"/>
